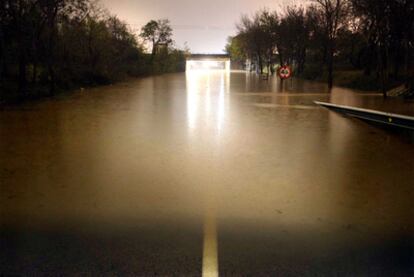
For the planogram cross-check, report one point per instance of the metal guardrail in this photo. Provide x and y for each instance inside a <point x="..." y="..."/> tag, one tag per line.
<point x="391" y="119"/>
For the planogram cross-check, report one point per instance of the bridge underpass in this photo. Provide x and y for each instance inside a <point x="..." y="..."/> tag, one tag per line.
<point x="208" y="62"/>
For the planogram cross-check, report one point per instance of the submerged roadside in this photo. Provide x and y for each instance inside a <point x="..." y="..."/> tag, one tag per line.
<point x="145" y="65"/>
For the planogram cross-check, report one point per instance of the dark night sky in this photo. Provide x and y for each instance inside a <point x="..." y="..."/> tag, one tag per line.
<point x="203" y="24"/>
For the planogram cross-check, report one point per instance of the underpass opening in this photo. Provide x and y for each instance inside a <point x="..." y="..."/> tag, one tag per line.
<point x="208" y="62"/>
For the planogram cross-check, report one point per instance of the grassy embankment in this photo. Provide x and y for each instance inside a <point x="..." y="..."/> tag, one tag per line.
<point x="354" y="79"/>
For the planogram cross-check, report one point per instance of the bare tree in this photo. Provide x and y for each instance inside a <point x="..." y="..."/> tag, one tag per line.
<point x="157" y="32"/>
<point x="389" y="28"/>
<point x="294" y="33"/>
<point x="256" y="37"/>
<point x="334" y="14"/>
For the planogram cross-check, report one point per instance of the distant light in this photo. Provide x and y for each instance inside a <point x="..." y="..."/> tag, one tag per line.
<point x="208" y="65"/>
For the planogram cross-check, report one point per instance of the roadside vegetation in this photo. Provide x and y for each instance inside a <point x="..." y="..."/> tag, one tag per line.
<point x="363" y="44"/>
<point x="47" y="46"/>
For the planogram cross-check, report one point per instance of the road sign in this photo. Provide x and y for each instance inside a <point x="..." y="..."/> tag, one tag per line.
<point x="284" y="72"/>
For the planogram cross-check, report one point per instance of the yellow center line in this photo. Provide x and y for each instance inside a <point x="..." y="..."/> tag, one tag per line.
<point x="210" y="260"/>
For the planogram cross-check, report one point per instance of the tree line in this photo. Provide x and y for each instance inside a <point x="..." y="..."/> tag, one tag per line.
<point x="50" y="45"/>
<point x="375" y="37"/>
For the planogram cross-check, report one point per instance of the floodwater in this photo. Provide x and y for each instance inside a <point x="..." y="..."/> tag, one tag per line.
<point x="205" y="173"/>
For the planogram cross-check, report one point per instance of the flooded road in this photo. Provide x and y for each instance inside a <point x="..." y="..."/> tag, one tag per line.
<point x="205" y="173"/>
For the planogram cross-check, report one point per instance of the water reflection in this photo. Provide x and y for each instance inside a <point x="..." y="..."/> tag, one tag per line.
<point x="189" y="136"/>
<point x="207" y="100"/>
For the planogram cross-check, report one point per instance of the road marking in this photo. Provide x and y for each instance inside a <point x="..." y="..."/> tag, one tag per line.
<point x="278" y="94"/>
<point x="210" y="260"/>
<point x="293" y="94"/>
<point x="268" y="105"/>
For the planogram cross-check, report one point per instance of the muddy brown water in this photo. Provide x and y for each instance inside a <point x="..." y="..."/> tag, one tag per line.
<point x="119" y="180"/>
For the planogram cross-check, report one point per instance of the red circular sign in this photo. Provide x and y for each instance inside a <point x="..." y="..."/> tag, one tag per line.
<point x="284" y="72"/>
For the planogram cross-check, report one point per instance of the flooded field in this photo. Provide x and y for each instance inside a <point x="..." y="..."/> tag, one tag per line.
<point x="205" y="173"/>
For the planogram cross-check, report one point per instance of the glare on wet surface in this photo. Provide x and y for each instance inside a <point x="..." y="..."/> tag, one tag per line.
<point x="165" y="161"/>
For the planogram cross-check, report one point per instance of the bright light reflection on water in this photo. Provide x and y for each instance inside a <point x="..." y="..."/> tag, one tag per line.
<point x="207" y="98"/>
